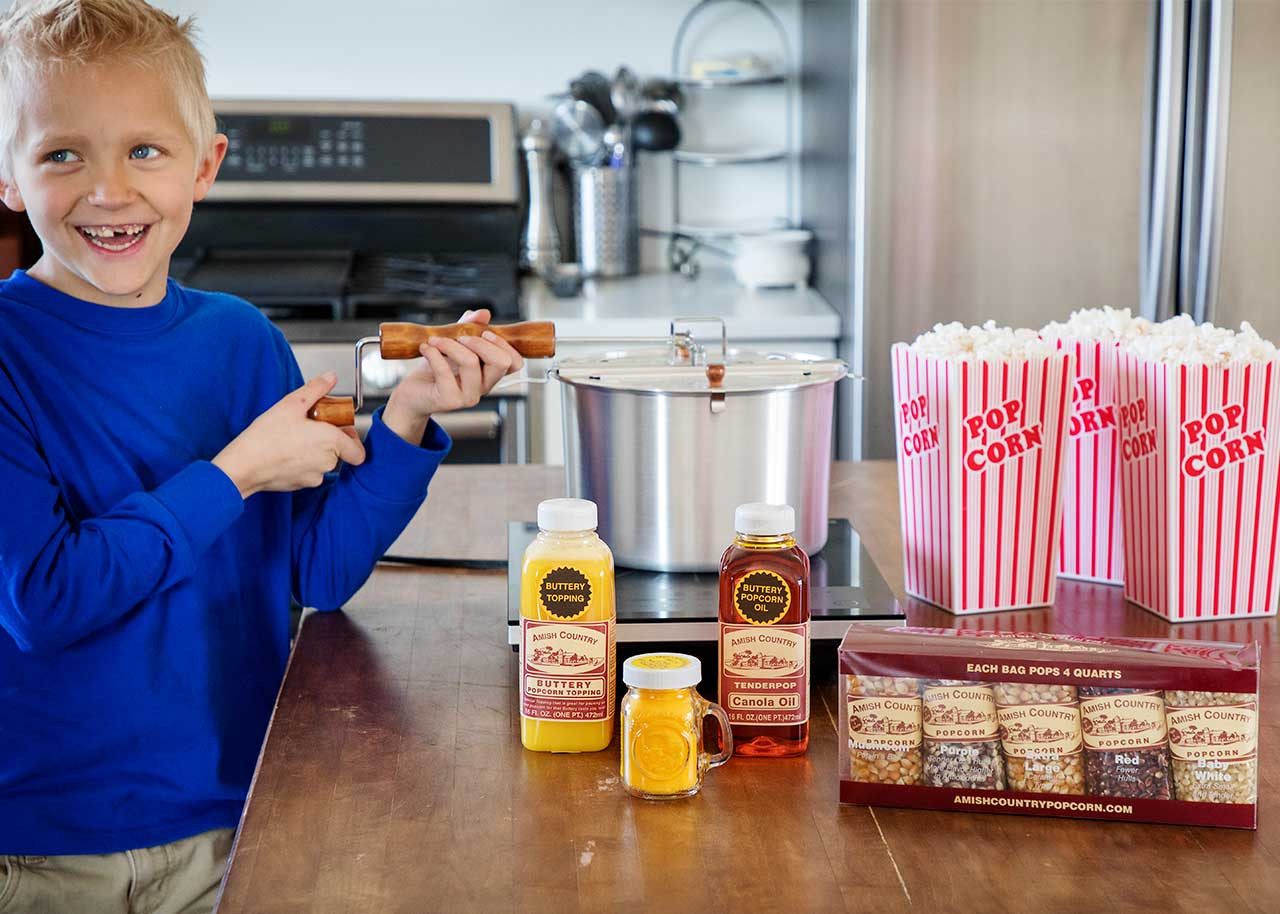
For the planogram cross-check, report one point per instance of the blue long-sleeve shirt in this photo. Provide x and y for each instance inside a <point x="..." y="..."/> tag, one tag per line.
<point x="144" y="605"/>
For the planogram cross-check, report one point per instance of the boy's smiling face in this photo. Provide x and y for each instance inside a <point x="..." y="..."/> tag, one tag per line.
<point x="107" y="171"/>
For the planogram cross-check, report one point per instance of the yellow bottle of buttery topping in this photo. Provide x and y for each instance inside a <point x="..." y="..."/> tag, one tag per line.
<point x="567" y="649"/>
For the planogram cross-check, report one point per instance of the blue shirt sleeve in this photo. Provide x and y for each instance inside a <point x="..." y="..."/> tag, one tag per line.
<point x="64" y="578"/>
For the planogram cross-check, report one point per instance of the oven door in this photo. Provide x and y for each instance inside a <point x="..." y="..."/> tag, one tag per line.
<point x="495" y="430"/>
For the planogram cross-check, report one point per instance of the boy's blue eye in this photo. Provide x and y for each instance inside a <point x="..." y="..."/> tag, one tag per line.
<point x="63" y="156"/>
<point x="143" y="152"/>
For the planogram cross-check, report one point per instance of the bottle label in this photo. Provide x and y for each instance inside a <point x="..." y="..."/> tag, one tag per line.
<point x="886" y="723"/>
<point x="1218" y="732"/>
<point x="764" y="674"/>
<point x="959" y="713"/>
<point x="564" y="593"/>
<point x="566" y="670"/>
<point x="761" y="597"/>
<point x="1114" y="722"/>
<point x="1040" y="731"/>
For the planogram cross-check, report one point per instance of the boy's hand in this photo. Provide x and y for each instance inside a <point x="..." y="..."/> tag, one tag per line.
<point x="283" y="450"/>
<point x="456" y="374"/>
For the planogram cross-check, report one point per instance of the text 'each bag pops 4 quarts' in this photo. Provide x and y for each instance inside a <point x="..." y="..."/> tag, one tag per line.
<point x="1199" y="468"/>
<point x="1091" y="541"/>
<point x="981" y="416"/>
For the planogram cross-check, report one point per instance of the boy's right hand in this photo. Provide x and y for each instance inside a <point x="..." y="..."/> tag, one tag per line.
<point x="283" y="450"/>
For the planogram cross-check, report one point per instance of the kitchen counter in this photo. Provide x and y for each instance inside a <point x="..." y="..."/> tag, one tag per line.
<point x="393" y="779"/>
<point x="643" y="305"/>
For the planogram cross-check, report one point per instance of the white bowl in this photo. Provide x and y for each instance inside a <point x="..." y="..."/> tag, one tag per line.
<point x="772" y="259"/>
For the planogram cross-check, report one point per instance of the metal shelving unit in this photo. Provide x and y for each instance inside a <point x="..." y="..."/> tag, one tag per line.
<point x="679" y="254"/>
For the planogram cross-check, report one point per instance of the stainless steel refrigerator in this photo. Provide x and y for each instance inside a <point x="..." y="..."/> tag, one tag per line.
<point x="1018" y="159"/>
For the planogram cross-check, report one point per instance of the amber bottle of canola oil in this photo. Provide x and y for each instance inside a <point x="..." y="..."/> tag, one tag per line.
<point x="764" y="633"/>
<point x="568" y="652"/>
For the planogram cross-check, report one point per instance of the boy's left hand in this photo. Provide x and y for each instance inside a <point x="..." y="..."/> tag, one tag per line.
<point x="455" y="375"/>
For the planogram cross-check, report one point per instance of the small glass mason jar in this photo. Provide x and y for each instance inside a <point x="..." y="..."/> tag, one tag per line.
<point x="662" y="712"/>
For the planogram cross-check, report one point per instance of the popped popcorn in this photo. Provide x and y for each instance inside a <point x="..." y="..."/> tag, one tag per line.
<point x="1104" y="323"/>
<point x="988" y="342"/>
<point x="1180" y="340"/>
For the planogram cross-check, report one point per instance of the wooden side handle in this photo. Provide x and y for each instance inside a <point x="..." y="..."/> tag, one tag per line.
<point x="532" y="339"/>
<point x="339" y="411"/>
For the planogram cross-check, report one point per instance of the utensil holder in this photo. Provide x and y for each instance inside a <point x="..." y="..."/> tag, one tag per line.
<point x="606" y="220"/>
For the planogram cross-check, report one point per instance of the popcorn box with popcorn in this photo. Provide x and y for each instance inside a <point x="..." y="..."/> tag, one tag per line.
<point x="980" y="471"/>
<point x="1199" y="461"/>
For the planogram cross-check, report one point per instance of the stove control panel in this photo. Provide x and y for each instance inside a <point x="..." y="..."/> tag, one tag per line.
<point x="407" y="151"/>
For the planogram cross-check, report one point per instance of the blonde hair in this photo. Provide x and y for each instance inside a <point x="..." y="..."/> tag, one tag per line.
<point x="37" y="36"/>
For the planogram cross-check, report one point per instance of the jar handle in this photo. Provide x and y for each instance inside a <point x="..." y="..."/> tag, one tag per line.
<point x="706" y="761"/>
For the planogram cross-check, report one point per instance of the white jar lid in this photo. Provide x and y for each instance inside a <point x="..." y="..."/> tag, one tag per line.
<point x="759" y="519"/>
<point x="567" y="515"/>
<point x="662" y="671"/>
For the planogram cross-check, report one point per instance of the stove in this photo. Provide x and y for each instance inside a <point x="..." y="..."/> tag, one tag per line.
<point x="332" y="216"/>
<point x="681" y="607"/>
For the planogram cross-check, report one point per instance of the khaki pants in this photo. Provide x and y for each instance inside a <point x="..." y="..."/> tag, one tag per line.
<point x="177" y="878"/>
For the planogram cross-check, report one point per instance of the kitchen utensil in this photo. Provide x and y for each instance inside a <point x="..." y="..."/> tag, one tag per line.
<point x="540" y="244"/>
<point x="624" y="92"/>
<point x="663" y="90"/>
<point x="772" y="259"/>
<point x="655" y="131"/>
<point x="606" y="220"/>
<point x="596" y="90"/>
<point x="669" y="441"/>
<point x="401" y="340"/>
<point x="578" y="131"/>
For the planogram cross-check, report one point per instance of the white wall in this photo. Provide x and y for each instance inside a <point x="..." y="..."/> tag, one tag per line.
<point x="511" y="50"/>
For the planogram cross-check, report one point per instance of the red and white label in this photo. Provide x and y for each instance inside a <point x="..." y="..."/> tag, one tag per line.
<point x="981" y="449"/>
<point x="1091" y="541"/>
<point x="1200" y="487"/>
<point x="566" y="672"/>
<point x="764" y="674"/>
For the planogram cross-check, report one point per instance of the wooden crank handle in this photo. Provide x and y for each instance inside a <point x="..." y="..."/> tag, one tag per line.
<point x="339" y="411"/>
<point x="532" y="339"/>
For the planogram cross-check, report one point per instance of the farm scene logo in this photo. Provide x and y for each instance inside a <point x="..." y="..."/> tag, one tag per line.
<point x="565" y="648"/>
<point x="751" y="661"/>
<point x="1088" y="416"/>
<point x="1196" y="735"/>
<point x="1107" y="725"/>
<point x="1026" y="732"/>
<point x="998" y="439"/>
<point x="873" y="724"/>
<point x="953" y="716"/>
<point x="917" y="441"/>
<point x="1217" y="440"/>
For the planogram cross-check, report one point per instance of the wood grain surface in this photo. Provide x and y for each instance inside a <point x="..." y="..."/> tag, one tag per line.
<point x="393" y="780"/>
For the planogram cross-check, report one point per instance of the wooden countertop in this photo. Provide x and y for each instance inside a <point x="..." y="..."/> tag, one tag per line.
<point x="393" y="779"/>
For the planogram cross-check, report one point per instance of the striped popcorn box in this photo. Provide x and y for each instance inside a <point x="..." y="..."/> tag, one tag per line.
<point x="980" y="471"/>
<point x="1091" y="543"/>
<point x="1199" y="460"/>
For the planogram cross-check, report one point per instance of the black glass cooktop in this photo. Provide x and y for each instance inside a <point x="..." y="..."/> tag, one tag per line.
<point x="671" y="607"/>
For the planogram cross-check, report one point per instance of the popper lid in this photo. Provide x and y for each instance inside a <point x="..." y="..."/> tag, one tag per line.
<point x="652" y="370"/>
<point x="760" y="519"/>
<point x="662" y="671"/>
<point x="567" y="515"/>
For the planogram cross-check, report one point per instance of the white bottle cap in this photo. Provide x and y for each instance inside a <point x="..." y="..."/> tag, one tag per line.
<point x="567" y="515"/>
<point x="759" y="519"/>
<point x="662" y="671"/>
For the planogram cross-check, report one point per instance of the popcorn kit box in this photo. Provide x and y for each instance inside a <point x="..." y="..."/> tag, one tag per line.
<point x="1047" y="724"/>
<point x="1199" y="461"/>
<point x="980" y="471"/>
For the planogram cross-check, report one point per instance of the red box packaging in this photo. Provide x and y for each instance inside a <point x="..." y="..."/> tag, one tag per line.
<point x="981" y="447"/>
<point x="1046" y="724"/>
<point x="1200" y="484"/>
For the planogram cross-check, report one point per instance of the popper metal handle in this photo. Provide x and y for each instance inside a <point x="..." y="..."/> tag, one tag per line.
<point x="402" y="340"/>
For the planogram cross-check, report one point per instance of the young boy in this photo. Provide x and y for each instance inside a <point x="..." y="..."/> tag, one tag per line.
<point x="163" y="491"/>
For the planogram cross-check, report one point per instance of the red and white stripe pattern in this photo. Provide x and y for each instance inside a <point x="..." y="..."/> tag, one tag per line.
<point x="1199" y="461"/>
<point x="1092" y="541"/>
<point x="980" y="474"/>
